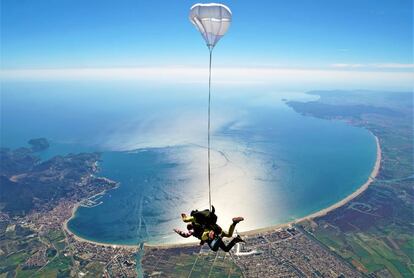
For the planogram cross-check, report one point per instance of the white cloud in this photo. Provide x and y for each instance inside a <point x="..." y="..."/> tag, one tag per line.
<point x="374" y="66"/>
<point x="394" y="66"/>
<point x="347" y="65"/>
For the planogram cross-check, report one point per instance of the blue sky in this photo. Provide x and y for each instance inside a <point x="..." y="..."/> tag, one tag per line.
<point x="264" y="33"/>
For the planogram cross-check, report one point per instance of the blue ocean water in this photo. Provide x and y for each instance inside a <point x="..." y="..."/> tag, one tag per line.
<point x="269" y="164"/>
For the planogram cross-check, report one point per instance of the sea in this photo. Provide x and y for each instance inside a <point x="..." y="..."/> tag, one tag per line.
<point x="270" y="164"/>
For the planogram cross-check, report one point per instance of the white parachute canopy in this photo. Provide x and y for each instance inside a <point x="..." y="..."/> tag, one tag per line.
<point x="212" y="20"/>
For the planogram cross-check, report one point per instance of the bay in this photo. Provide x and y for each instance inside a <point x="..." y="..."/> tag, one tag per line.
<point x="269" y="164"/>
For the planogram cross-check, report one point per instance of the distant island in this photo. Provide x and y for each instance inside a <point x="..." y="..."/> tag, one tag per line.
<point x="39" y="144"/>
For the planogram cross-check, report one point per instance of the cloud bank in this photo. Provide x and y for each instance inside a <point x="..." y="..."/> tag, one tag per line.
<point x="379" y="66"/>
<point x="343" y="76"/>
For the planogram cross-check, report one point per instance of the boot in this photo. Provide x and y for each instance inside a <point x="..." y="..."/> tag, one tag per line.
<point x="237" y="219"/>
<point x="238" y="239"/>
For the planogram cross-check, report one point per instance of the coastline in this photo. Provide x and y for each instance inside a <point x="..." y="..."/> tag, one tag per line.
<point x="81" y="239"/>
<point x="319" y="213"/>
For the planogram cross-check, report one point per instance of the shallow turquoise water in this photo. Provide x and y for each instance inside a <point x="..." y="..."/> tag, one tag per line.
<point x="269" y="163"/>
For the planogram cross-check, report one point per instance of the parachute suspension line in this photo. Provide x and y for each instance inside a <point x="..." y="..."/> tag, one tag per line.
<point x="212" y="21"/>
<point x="208" y="132"/>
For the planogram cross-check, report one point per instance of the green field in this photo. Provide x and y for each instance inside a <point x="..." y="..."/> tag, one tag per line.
<point x="190" y="264"/>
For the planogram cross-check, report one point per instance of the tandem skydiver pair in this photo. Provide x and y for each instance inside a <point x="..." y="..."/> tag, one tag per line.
<point x="202" y="225"/>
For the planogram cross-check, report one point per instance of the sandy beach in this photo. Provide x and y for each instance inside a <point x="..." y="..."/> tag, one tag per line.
<point x="320" y="213"/>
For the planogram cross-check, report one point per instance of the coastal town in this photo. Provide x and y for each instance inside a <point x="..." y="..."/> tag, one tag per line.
<point x="291" y="253"/>
<point x="53" y="248"/>
<point x="284" y="252"/>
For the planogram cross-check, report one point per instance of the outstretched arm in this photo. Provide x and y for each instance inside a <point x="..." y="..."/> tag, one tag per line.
<point x="183" y="234"/>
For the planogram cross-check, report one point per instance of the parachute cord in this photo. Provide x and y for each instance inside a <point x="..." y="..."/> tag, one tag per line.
<point x="208" y="136"/>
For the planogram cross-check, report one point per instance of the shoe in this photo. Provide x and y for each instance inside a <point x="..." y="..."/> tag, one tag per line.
<point x="238" y="239"/>
<point x="237" y="219"/>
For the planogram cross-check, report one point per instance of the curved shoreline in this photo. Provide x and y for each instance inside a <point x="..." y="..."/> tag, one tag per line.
<point x="311" y="216"/>
<point x="339" y="204"/>
<point x="81" y="239"/>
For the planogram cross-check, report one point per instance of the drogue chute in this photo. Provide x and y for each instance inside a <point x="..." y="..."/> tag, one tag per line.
<point x="212" y="20"/>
